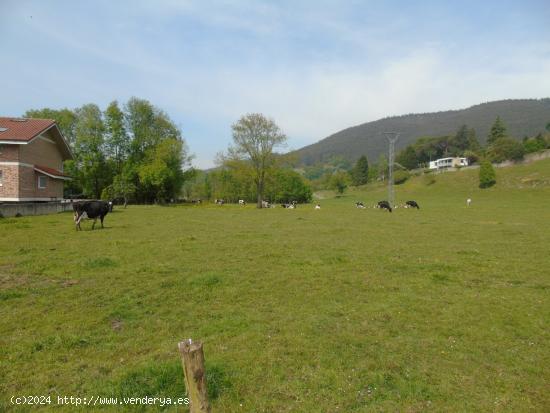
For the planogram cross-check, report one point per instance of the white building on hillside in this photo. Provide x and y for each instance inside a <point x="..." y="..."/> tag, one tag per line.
<point x="448" y="163"/>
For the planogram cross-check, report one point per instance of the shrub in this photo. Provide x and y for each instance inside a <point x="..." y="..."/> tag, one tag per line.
<point x="534" y="144"/>
<point x="487" y="176"/>
<point x="400" y="177"/>
<point x="339" y="181"/>
<point x="504" y="149"/>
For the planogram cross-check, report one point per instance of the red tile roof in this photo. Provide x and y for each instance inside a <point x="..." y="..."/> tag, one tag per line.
<point x="22" y="129"/>
<point x="50" y="171"/>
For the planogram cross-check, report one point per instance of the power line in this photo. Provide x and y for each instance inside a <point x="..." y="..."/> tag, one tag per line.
<point x="392" y="138"/>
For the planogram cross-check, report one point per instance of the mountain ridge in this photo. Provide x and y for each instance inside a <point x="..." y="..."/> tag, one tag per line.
<point x="522" y="117"/>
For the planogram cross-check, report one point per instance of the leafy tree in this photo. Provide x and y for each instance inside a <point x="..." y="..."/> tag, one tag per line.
<point x="92" y="169"/>
<point x="360" y="172"/>
<point x="505" y="149"/>
<point x="147" y="126"/>
<point x="407" y="158"/>
<point x="288" y="185"/>
<point x="65" y="119"/>
<point x="487" y="176"/>
<point x="534" y="144"/>
<point x="498" y="131"/>
<point x="471" y="156"/>
<point x="339" y="181"/>
<point x="255" y="137"/>
<point x="121" y="146"/>
<point x="161" y="173"/>
<point x="117" y="141"/>
<point x="121" y="188"/>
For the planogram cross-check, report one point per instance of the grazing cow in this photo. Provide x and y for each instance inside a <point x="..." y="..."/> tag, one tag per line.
<point x="242" y="202"/>
<point x="219" y="201"/>
<point x="266" y="204"/>
<point x="292" y="205"/>
<point x="411" y="204"/>
<point x="317" y="206"/>
<point x="384" y="205"/>
<point x="91" y="210"/>
<point x="359" y="205"/>
<point x="468" y="201"/>
<point x="197" y="201"/>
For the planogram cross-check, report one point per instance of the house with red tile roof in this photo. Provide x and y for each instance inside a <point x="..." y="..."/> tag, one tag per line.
<point x="32" y="152"/>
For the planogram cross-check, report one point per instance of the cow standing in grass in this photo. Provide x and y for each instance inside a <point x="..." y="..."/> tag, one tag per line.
<point x="91" y="210"/>
<point x="412" y="204"/>
<point x="384" y="205"/>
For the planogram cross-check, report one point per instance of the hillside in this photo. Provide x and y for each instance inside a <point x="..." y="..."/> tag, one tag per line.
<point x="521" y="117"/>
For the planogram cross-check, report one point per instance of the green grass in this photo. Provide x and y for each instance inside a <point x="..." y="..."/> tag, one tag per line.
<point x="442" y="309"/>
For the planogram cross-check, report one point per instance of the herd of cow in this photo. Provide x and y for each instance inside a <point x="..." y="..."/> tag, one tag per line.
<point x="99" y="209"/>
<point x="386" y="205"/>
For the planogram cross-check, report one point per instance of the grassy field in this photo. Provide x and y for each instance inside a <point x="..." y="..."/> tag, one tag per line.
<point x="442" y="309"/>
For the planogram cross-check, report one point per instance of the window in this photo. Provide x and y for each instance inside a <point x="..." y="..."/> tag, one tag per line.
<point x="1" y="178"/>
<point x="42" y="181"/>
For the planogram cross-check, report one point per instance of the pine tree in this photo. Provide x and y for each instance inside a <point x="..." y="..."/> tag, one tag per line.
<point x="360" y="173"/>
<point x="487" y="176"/>
<point x="461" y="139"/>
<point x="498" y="131"/>
<point x="473" y="143"/>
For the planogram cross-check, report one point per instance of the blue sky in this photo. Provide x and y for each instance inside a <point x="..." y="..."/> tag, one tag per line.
<point x="315" y="67"/>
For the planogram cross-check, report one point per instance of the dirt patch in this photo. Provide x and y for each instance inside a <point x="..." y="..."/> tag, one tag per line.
<point x="116" y="325"/>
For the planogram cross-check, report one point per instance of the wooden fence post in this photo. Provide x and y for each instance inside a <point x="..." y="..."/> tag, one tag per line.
<point x="192" y="358"/>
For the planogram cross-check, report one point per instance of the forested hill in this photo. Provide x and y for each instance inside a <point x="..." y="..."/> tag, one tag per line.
<point x="521" y="117"/>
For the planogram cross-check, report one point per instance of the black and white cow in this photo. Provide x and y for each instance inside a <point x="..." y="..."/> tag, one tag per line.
<point x="384" y="205"/>
<point x="91" y="210"/>
<point x="242" y="202"/>
<point x="266" y="204"/>
<point x="412" y="204"/>
<point x="359" y="205"/>
<point x="219" y="201"/>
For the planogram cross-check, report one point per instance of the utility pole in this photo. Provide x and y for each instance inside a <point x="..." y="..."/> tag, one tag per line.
<point x="392" y="138"/>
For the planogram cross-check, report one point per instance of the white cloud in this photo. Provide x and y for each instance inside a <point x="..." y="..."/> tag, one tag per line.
<point x="340" y="74"/>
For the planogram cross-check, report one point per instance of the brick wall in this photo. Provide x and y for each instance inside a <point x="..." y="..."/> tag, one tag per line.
<point x="28" y="185"/>
<point x="9" y="153"/>
<point x="41" y="152"/>
<point x="10" y="181"/>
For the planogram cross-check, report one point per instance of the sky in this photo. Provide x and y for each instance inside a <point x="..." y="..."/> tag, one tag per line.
<point x="314" y="67"/>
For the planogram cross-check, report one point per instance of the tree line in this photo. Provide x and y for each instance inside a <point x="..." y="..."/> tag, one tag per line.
<point x="337" y="173"/>
<point x="134" y="152"/>
<point x="500" y="146"/>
